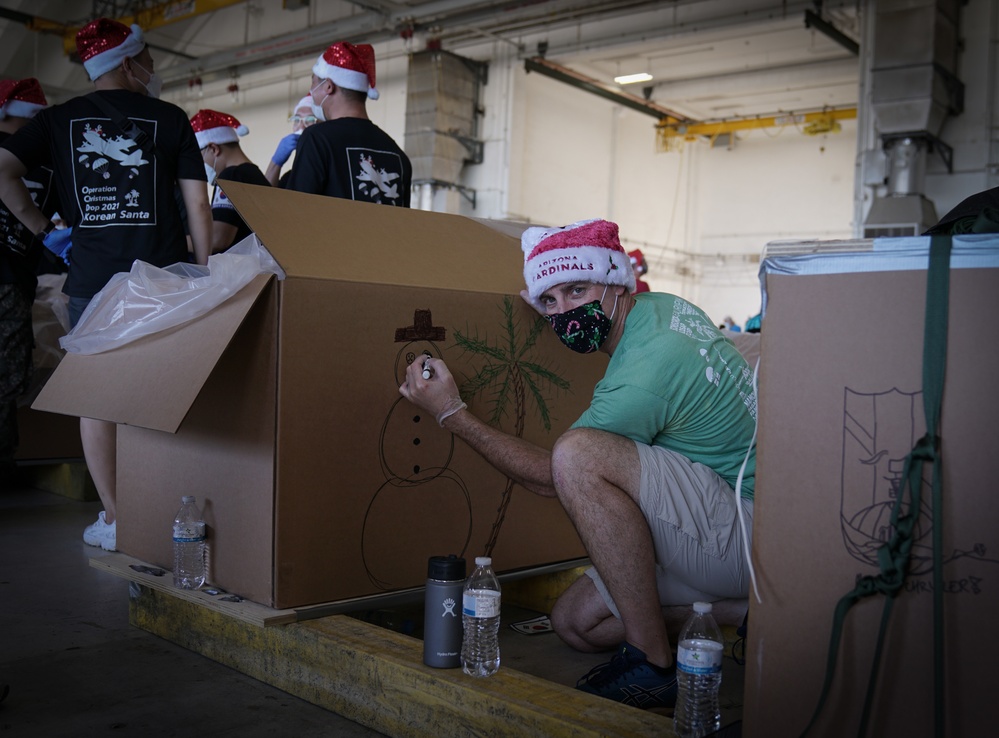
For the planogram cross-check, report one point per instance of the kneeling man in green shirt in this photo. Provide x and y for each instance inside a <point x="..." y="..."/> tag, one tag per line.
<point x="647" y="473"/>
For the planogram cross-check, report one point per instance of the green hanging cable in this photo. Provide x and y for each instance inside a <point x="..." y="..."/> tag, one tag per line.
<point x="893" y="557"/>
<point x="934" y="367"/>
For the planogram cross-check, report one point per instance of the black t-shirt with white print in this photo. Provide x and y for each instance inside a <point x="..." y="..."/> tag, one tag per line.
<point x="19" y="251"/>
<point x="118" y="200"/>
<point x="222" y="209"/>
<point x="354" y="159"/>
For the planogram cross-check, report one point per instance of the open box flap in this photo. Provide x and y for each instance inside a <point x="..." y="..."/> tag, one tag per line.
<point x="333" y="238"/>
<point x="153" y="381"/>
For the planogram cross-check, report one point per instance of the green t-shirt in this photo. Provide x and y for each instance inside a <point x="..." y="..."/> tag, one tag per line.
<point x="675" y="381"/>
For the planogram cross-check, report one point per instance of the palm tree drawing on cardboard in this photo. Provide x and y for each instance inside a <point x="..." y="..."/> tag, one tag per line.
<point x="416" y="461"/>
<point x="508" y="376"/>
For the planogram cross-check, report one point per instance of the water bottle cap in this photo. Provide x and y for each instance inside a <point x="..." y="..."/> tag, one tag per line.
<point x="187" y="498"/>
<point x="446" y="568"/>
<point x="702" y="608"/>
<point x="483" y="561"/>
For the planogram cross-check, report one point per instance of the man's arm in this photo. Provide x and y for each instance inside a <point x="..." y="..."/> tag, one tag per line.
<point x="285" y="148"/>
<point x="522" y="461"/>
<point x="273" y="173"/>
<point x="15" y="195"/>
<point x="199" y="217"/>
<point x="223" y="235"/>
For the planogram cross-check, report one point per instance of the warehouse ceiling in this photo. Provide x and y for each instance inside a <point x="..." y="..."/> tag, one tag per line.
<point x="709" y="59"/>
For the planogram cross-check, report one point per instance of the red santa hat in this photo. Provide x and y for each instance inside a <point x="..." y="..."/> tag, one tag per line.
<point x="213" y="127"/>
<point x="305" y="102"/>
<point x="348" y="66"/>
<point x="585" y="251"/>
<point x="638" y="260"/>
<point x="21" y="98"/>
<point x="103" y="43"/>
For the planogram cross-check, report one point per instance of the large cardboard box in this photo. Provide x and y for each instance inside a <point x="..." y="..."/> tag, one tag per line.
<point x="280" y="409"/>
<point x="841" y="407"/>
<point x="47" y="437"/>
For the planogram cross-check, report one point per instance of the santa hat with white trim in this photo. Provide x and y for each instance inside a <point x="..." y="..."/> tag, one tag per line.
<point x="348" y="66"/>
<point x="585" y="251"/>
<point x="21" y="98"/>
<point x="638" y="261"/>
<point x="103" y="43"/>
<point x="213" y="127"/>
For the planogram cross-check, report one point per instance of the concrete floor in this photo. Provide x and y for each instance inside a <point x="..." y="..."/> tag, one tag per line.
<point x="76" y="667"/>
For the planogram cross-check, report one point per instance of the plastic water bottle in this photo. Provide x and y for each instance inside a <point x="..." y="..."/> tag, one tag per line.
<point x="480" y="656"/>
<point x="698" y="674"/>
<point x="188" y="546"/>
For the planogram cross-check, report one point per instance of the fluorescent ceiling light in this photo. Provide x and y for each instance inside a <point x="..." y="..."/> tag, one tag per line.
<point x="630" y="79"/>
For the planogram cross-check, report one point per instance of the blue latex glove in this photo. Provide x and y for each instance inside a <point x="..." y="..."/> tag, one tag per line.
<point x="285" y="148"/>
<point x="59" y="243"/>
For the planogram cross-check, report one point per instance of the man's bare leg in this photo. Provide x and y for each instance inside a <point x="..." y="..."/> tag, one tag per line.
<point x="582" y="619"/>
<point x="100" y="448"/>
<point x="597" y="477"/>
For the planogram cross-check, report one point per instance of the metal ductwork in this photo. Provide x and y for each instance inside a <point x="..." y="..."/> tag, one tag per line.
<point x="914" y="88"/>
<point x="442" y="120"/>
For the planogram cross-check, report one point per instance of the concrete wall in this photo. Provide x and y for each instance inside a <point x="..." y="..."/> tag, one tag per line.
<point x="554" y="154"/>
<point x="973" y="134"/>
<point x="701" y="215"/>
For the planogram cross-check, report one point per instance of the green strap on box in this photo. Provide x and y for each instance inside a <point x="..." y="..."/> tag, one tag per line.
<point x="893" y="557"/>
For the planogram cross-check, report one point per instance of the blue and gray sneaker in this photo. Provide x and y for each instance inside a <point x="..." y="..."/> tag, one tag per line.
<point x="630" y="679"/>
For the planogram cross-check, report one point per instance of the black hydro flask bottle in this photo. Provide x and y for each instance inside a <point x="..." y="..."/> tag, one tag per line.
<point x="442" y="629"/>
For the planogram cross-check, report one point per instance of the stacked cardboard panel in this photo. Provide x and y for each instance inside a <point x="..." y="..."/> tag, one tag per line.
<point x="841" y="398"/>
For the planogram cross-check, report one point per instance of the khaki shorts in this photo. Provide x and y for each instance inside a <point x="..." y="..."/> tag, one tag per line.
<point x="691" y="512"/>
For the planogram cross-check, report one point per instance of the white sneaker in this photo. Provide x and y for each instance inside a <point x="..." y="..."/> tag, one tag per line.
<point x="101" y="534"/>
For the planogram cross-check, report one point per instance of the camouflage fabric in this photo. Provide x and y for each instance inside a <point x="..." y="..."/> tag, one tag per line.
<point x="16" y="341"/>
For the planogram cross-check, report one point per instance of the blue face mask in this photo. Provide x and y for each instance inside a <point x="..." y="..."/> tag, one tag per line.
<point x="585" y="328"/>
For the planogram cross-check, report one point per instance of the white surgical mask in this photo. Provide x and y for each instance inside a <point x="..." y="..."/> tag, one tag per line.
<point x="155" y="84"/>
<point x="210" y="172"/>
<point x="317" y="110"/>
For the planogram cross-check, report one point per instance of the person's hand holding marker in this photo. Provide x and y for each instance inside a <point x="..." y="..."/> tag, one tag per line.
<point x="430" y="386"/>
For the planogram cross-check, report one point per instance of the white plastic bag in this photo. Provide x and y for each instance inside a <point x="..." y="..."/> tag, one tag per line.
<point x="150" y="299"/>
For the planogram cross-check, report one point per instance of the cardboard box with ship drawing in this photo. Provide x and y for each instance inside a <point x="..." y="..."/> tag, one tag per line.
<point x="841" y="398"/>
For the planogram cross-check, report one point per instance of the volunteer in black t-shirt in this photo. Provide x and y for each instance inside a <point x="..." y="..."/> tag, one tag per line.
<point x="117" y="197"/>
<point x="218" y="137"/>
<point x="116" y="194"/>
<point x="20" y="100"/>
<point x="347" y="155"/>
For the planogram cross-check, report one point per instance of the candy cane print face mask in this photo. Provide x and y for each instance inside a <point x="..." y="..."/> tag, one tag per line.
<point x="585" y="328"/>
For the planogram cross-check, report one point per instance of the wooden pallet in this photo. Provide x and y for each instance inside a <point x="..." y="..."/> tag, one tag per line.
<point x="371" y="675"/>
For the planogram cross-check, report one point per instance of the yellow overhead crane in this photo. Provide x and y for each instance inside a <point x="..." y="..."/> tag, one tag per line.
<point x="670" y="133"/>
<point x="673" y="128"/>
<point x="147" y="18"/>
